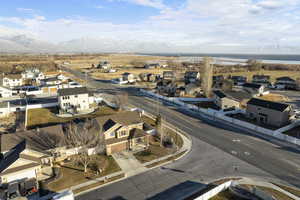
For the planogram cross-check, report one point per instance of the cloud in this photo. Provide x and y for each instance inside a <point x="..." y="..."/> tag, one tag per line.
<point x="158" y="4"/>
<point x="206" y="24"/>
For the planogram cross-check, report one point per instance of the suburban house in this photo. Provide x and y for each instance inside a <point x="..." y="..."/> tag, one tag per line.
<point x="285" y="82"/>
<point x="128" y="77"/>
<point x="13" y="80"/>
<point x="31" y="73"/>
<point x="152" y="66"/>
<point x="192" y="89"/>
<point x="169" y="76"/>
<point x="224" y="101"/>
<point x="104" y="65"/>
<point x="239" y="80"/>
<point x="218" y="80"/>
<point x="6" y="92"/>
<point x="167" y="88"/>
<point x="124" y="131"/>
<point x="21" y="169"/>
<point x="147" y="77"/>
<point x="191" y="76"/>
<point x="269" y="112"/>
<point x="74" y="99"/>
<point x="50" y="81"/>
<point x="254" y="89"/>
<point x="261" y="79"/>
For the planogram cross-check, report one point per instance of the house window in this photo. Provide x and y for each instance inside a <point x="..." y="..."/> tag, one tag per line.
<point x="76" y="96"/>
<point x="123" y="133"/>
<point x="112" y="134"/>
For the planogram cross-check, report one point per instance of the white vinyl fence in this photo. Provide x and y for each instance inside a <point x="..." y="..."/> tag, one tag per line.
<point x="220" y="116"/>
<point x="211" y="193"/>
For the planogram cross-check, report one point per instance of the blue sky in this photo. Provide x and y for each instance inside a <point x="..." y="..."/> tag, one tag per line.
<point x="208" y="23"/>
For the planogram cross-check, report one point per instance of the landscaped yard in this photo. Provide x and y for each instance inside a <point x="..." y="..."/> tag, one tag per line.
<point x="47" y="116"/>
<point x="155" y="151"/>
<point x="73" y="174"/>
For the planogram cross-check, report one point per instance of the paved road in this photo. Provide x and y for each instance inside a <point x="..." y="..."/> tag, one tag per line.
<point x="218" y="151"/>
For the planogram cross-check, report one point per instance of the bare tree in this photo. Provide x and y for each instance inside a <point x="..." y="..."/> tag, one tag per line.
<point x="81" y="137"/>
<point x="121" y="100"/>
<point x="254" y="65"/>
<point x="158" y="124"/>
<point x="207" y="77"/>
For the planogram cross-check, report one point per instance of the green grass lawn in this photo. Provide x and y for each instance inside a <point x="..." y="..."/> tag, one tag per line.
<point x="73" y="174"/>
<point x="47" y="116"/>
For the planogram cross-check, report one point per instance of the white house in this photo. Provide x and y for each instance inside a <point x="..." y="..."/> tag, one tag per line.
<point x="254" y="89"/>
<point x="5" y="92"/>
<point x="74" y="99"/>
<point x="13" y="80"/>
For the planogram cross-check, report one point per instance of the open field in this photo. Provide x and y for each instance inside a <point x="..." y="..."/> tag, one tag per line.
<point x="115" y="60"/>
<point x="118" y="74"/>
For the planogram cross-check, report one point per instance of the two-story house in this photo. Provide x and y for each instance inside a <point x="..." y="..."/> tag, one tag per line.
<point x="269" y="112"/>
<point x="239" y="80"/>
<point x="169" y="76"/>
<point x="254" y="89"/>
<point x="285" y="82"/>
<point x="128" y="77"/>
<point x="191" y="77"/>
<point x="13" y="80"/>
<point x="261" y="79"/>
<point x="74" y="99"/>
<point x="224" y="101"/>
<point x="124" y="131"/>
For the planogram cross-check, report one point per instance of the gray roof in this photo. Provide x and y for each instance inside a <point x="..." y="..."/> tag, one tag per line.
<point x="219" y="94"/>
<point x="268" y="104"/>
<point x="72" y="91"/>
<point x="41" y="139"/>
<point x="252" y="85"/>
<point x="284" y="78"/>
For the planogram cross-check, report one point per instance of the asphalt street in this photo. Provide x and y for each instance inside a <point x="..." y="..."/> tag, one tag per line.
<point x="218" y="151"/>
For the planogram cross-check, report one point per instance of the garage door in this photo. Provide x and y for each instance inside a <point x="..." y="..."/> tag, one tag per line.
<point x="118" y="147"/>
<point x="53" y="90"/>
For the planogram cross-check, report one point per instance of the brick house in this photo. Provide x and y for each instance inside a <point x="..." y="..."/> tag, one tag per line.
<point x="124" y="131"/>
<point x="269" y="112"/>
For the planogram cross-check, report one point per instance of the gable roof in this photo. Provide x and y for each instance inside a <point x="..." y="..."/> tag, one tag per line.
<point x="261" y="77"/>
<point x="268" y="104"/>
<point x="13" y="76"/>
<point x="72" y="91"/>
<point x="284" y="78"/>
<point x="219" y="93"/>
<point x="252" y="85"/>
<point x="41" y="139"/>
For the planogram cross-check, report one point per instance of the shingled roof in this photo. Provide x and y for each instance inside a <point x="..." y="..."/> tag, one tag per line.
<point x="252" y="85"/>
<point x="268" y="104"/>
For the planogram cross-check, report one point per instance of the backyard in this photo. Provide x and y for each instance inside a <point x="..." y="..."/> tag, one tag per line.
<point x="49" y="115"/>
<point x="72" y="173"/>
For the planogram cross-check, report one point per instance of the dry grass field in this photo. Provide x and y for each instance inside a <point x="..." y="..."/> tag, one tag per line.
<point x="116" y="60"/>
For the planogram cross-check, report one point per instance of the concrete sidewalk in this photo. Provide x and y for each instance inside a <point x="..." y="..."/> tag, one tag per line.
<point x="128" y="163"/>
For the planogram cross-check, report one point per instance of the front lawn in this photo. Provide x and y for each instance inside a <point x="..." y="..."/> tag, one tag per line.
<point x="73" y="173"/>
<point x="154" y="151"/>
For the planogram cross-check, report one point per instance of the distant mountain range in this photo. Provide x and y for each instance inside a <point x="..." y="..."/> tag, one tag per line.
<point x="26" y="44"/>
